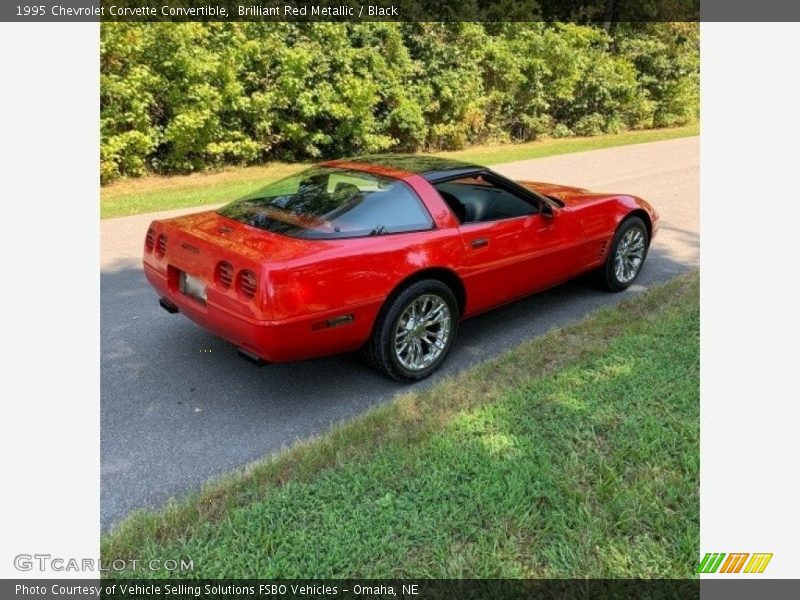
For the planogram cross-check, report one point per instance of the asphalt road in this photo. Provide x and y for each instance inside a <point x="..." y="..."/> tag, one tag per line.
<point x="180" y="407"/>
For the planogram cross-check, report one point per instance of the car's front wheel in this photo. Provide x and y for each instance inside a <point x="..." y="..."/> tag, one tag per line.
<point x="415" y="331"/>
<point x="626" y="257"/>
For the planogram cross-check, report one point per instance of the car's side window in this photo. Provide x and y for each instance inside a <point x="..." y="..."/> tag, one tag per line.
<point x="476" y="200"/>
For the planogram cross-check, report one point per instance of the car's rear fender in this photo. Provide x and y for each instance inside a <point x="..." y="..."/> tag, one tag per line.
<point x="359" y="271"/>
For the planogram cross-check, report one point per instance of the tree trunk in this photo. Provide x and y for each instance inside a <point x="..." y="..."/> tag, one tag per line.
<point x="608" y="18"/>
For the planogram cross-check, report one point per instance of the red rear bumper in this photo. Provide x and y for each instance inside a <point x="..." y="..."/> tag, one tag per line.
<point x="273" y="341"/>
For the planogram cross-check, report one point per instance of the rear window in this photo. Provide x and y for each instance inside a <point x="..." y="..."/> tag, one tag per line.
<point x="332" y="203"/>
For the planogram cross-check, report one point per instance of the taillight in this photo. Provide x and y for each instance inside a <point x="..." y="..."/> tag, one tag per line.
<point x="247" y="283"/>
<point x="224" y="274"/>
<point x="150" y="240"/>
<point x="161" y="245"/>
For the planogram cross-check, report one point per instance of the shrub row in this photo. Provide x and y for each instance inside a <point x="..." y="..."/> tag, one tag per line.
<point x="189" y="96"/>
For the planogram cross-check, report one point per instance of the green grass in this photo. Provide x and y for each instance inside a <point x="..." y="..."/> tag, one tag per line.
<point x="154" y="193"/>
<point x="573" y="455"/>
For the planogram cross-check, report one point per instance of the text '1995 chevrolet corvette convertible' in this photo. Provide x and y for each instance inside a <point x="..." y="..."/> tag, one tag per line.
<point x="386" y="254"/>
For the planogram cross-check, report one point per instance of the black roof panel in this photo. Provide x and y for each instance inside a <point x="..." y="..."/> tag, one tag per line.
<point x="430" y="167"/>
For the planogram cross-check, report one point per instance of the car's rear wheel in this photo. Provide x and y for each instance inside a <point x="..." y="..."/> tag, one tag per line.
<point x="415" y="331"/>
<point x="626" y="256"/>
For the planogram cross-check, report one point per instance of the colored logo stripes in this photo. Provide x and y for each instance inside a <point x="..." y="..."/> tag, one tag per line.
<point x="720" y="562"/>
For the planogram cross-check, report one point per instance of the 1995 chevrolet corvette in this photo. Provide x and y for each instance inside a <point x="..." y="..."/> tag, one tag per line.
<point x="386" y="254"/>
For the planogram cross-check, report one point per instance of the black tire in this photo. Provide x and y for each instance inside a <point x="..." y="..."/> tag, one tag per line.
<point x="607" y="276"/>
<point x="380" y="351"/>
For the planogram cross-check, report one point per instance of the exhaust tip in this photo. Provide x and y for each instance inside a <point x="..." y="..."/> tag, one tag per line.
<point x="250" y="357"/>
<point x="168" y="306"/>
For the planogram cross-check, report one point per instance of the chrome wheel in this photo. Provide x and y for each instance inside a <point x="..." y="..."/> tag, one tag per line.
<point x="422" y="332"/>
<point x="629" y="255"/>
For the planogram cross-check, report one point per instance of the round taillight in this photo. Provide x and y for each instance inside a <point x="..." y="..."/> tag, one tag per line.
<point x="224" y="274"/>
<point x="161" y="245"/>
<point x="150" y="240"/>
<point x="247" y="283"/>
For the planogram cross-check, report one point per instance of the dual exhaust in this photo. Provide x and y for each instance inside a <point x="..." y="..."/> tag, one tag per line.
<point x="250" y="357"/>
<point x="168" y="306"/>
<point x="245" y="354"/>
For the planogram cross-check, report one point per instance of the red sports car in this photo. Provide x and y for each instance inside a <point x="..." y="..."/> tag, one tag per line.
<point x="387" y="254"/>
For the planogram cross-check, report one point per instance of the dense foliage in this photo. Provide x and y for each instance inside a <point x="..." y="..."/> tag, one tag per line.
<point x="184" y="97"/>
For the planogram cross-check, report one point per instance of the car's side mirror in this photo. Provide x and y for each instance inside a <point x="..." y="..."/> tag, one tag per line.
<point x="550" y="211"/>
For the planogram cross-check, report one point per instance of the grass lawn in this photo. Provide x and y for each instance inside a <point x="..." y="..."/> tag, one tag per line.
<point x="154" y="193"/>
<point x="573" y="455"/>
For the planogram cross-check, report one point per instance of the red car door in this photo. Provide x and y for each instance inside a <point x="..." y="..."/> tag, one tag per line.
<point x="507" y="256"/>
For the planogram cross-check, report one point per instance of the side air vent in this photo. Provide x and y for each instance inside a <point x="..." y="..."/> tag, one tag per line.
<point x="150" y="240"/>
<point x="161" y="245"/>
<point x="224" y="275"/>
<point x="601" y="248"/>
<point x="247" y="283"/>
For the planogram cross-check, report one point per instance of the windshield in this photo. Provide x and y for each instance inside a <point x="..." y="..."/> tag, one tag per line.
<point x="332" y="203"/>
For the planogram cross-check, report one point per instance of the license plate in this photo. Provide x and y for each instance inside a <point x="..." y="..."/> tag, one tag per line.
<point x="192" y="286"/>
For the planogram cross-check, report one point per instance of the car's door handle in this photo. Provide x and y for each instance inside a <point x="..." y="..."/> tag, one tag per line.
<point x="479" y="243"/>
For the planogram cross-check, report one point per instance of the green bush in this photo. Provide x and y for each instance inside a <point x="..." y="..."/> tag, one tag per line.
<point x="185" y="97"/>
